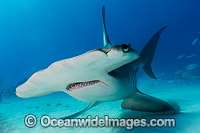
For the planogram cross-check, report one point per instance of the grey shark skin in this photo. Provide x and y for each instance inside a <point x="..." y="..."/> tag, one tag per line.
<point x="100" y="75"/>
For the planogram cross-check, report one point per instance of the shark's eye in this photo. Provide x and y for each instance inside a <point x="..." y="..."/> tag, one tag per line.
<point x="125" y="47"/>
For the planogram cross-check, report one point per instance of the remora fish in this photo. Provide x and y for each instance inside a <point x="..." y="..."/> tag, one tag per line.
<point x="100" y="75"/>
<point x="181" y="56"/>
<point x="191" y="75"/>
<point x="191" y="66"/>
<point x="190" y="56"/>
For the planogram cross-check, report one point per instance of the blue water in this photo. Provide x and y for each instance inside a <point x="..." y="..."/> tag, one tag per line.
<point x="35" y="33"/>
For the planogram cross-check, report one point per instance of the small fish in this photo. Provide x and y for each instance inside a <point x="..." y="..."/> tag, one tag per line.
<point x="58" y="104"/>
<point x="191" y="75"/>
<point x="162" y="74"/>
<point x="190" y="56"/>
<point x="181" y="56"/>
<point x="178" y="72"/>
<point x="194" y="41"/>
<point x="191" y="66"/>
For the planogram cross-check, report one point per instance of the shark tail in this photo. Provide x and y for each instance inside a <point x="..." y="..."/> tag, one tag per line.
<point x="148" y="52"/>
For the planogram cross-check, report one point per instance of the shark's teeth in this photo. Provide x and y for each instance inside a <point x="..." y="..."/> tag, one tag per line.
<point x="79" y="85"/>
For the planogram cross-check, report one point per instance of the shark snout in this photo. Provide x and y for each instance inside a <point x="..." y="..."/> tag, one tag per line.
<point x="35" y="89"/>
<point x="23" y="91"/>
<point x="27" y="90"/>
<point x="19" y="93"/>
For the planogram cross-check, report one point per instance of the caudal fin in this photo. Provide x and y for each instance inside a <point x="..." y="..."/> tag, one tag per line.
<point x="148" y="51"/>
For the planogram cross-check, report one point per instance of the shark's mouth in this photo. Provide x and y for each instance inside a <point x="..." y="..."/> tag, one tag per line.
<point x="79" y="85"/>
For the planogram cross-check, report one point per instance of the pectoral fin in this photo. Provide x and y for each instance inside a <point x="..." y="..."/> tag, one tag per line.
<point x="142" y="102"/>
<point x="82" y="111"/>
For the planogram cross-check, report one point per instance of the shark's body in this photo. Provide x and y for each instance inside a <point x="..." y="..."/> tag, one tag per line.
<point x="100" y="75"/>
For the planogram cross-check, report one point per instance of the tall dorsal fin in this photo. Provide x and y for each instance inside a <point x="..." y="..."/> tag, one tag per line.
<point x="106" y="41"/>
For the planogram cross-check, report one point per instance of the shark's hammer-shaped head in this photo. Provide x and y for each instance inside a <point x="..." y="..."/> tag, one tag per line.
<point x="79" y="75"/>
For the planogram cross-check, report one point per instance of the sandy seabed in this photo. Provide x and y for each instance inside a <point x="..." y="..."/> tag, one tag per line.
<point x="187" y="95"/>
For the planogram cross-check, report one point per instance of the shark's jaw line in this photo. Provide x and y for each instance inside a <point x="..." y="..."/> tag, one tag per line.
<point x="79" y="85"/>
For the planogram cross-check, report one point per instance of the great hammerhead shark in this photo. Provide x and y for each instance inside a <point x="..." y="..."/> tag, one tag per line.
<point x="100" y="75"/>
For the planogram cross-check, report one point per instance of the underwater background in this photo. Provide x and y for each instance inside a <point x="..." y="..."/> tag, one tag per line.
<point x="36" y="33"/>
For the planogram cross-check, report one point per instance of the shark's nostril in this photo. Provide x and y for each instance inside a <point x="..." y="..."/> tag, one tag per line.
<point x="17" y="90"/>
<point x="17" y="93"/>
